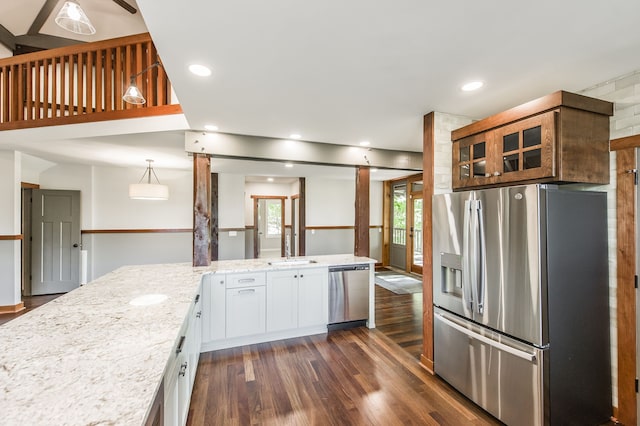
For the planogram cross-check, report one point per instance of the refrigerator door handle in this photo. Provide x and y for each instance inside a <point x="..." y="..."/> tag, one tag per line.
<point x="467" y="256"/>
<point x="481" y="283"/>
<point x="498" y="345"/>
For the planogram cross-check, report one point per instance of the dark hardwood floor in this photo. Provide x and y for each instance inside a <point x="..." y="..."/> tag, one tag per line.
<point x="30" y="303"/>
<point x="399" y="317"/>
<point x="347" y="377"/>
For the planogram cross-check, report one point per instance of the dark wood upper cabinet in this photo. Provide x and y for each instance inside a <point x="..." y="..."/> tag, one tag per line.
<point x="562" y="137"/>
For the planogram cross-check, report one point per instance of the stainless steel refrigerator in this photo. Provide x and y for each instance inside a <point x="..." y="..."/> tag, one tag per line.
<point x="521" y="302"/>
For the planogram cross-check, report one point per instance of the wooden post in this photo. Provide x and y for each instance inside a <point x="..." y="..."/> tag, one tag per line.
<point x="302" y="218"/>
<point x="201" y="210"/>
<point x="625" y="292"/>
<point x="362" y="212"/>
<point x="214" y="217"/>
<point x="428" y="142"/>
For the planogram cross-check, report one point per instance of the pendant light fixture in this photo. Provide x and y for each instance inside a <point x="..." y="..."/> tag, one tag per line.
<point x="72" y="18"/>
<point x="133" y="95"/>
<point x="147" y="190"/>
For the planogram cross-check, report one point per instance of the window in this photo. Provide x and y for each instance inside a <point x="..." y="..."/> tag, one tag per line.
<point x="274" y="218"/>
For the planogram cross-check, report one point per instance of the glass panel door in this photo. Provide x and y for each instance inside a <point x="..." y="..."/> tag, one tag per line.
<point x="416" y="235"/>
<point x="398" y="250"/>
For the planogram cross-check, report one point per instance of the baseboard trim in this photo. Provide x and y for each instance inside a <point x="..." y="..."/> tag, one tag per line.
<point x="427" y="364"/>
<point x="12" y="309"/>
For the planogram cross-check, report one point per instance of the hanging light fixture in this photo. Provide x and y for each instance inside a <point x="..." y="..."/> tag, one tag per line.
<point x="72" y="18"/>
<point x="133" y="95"/>
<point x="147" y="190"/>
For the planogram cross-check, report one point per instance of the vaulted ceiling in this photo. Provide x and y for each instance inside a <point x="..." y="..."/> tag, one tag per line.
<point x="343" y="72"/>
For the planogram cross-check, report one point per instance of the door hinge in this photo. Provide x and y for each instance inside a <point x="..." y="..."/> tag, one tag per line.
<point x="635" y="281"/>
<point x="636" y="385"/>
<point x="635" y="175"/>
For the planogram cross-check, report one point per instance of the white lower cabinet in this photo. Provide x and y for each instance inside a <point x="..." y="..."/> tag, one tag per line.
<point x="297" y="298"/>
<point x="181" y="369"/>
<point x="252" y="307"/>
<point x="282" y="300"/>
<point x="214" y="295"/>
<point x="313" y="297"/>
<point x="245" y="308"/>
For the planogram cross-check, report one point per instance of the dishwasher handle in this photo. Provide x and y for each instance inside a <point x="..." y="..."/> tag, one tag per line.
<point x="349" y="268"/>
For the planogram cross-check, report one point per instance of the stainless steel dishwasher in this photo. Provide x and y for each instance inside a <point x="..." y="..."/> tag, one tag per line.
<point x="348" y="296"/>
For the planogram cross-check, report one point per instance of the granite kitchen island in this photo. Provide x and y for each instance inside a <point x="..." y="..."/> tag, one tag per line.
<point x="98" y="354"/>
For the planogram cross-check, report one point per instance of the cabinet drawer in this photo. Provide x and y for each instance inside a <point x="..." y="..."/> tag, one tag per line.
<point x="249" y="279"/>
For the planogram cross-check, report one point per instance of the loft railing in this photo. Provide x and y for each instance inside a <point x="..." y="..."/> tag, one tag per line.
<point x="82" y="83"/>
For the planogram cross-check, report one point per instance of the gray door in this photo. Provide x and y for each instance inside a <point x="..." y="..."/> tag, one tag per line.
<point x="56" y="241"/>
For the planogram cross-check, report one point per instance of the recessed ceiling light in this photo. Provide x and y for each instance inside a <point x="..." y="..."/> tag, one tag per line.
<point x="472" y="85"/>
<point x="364" y="143"/>
<point x="294" y="136"/>
<point x="200" y="70"/>
<point x="211" y="127"/>
<point x="288" y="165"/>
<point x="269" y="179"/>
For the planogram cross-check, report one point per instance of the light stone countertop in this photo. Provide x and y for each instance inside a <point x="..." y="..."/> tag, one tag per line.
<point x="90" y="357"/>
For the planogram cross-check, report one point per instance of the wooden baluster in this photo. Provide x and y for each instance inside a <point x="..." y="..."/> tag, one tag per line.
<point x="54" y="87"/>
<point x="128" y="69"/>
<point x="99" y="80"/>
<point x="150" y="95"/>
<point x="37" y="95"/>
<point x="80" y="83"/>
<point x="28" y="87"/>
<point x="71" y="84"/>
<point x="90" y="71"/>
<point x="118" y="84"/>
<point x="6" y="95"/>
<point x="20" y="92"/>
<point x="46" y="75"/>
<point x="108" y="79"/>
<point x="138" y="67"/>
<point x="63" y="80"/>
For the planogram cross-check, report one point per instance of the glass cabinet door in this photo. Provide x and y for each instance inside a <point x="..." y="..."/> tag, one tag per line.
<point x="470" y="160"/>
<point x="526" y="149"/>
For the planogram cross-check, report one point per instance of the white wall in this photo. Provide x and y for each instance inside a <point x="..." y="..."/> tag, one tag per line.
<point x="330" y="202"/>
<point x="105" y="205"/>
<point x="10" y="257"/>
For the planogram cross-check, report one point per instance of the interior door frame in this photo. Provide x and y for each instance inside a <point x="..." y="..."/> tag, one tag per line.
<point x="256" y="237"/>
<point x="413" y="196"/>
<point x="26" y="225"/>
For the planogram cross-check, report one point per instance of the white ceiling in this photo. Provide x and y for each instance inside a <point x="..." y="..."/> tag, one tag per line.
<point x="341" y="72"/>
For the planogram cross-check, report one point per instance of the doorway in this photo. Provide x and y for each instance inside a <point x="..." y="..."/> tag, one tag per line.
<point x="403" y="218"/>
<point x="268" y="221"/>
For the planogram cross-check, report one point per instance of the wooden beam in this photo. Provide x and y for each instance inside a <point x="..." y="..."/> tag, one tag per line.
<point x="42" y="16"/>
<point x="625" y="143"/>
<point x="201" y="210"/>
<point x="7" y="38"/>
<point x="362" y="211"/>
<point x="428" y="142"/>
<point x="626" y="292"/>
<point x="215" y="224"/>
<point x="302" y="217"/>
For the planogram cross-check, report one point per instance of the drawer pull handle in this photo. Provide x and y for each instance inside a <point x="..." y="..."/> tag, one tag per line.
<point x="249" y="290"/>
<point x="199" y="314"/>
<point x="183" y="369"/>
<point x="246" y="280"/>
<point x="196" y="299"/>
<point x="180" y="345"/>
